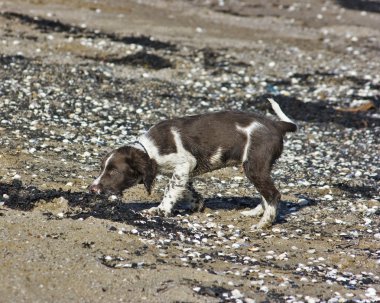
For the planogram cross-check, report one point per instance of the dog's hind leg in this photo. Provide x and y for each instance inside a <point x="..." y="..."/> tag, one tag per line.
<point x="258" y="172"/>
<point x="270" y="200"/>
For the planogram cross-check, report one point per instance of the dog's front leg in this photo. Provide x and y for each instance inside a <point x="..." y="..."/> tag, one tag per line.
<point x="173" y="192"/>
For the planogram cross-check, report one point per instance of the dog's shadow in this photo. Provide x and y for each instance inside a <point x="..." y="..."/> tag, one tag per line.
<point x="84" y="205"/>
<point x="213" y="203"/>
<point x="238" y="204"/>
<point x="81" y="205"/>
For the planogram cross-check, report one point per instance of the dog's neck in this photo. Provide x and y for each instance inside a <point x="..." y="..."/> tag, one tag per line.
<point x="140" y="146"/>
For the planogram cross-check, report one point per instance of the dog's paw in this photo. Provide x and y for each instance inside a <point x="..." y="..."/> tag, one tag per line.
<point x="268" y="218"/>
<point x="257" y="211"/>
<point x="157" y="211"/>
<point x="197" y="206"/>
<point x="257" y="227"/>
<point x="263" y="224"/>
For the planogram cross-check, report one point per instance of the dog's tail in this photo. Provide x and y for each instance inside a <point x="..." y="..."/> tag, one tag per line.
<point x="286" y="124"/>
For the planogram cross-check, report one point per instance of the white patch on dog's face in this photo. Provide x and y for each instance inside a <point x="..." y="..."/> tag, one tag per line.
<point x="248" y="132"/>
<point x="215" y="158"/>
<point x="98" y="179"/>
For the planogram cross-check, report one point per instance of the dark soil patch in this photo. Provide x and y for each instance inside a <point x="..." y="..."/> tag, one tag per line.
<point x="46" y="26"/>
<point x="6" y="60"/>
<point x="361" y="5"/>
<point x="143" y="59"/>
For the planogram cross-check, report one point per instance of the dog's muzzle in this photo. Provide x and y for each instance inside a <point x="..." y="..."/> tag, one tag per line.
<point x="95" y="188"/>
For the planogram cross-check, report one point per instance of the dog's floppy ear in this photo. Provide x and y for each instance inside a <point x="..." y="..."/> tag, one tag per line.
<point x="145" y="166"/>
<point x="149" y="175"/>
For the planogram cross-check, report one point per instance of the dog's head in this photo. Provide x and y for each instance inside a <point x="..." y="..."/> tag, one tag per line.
<point x="123" y="168"/>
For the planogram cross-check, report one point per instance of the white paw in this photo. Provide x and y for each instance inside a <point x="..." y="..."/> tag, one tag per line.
<point x="260" y="226"/>
<point x="157" y="211"/>
<point x="257" y="211"/>
<point x="265" y="222"/>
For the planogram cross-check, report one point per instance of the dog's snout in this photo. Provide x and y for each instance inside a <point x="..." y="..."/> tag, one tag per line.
<point x="95" y="188"/>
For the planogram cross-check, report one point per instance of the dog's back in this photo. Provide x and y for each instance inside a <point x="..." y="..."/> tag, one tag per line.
<point x="219" y="139"/>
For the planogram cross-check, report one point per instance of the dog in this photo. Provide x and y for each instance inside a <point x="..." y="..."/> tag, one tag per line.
<point x="193" y="145"/>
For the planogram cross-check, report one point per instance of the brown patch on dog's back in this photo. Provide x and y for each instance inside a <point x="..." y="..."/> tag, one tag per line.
<point x="163" y="138"/>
